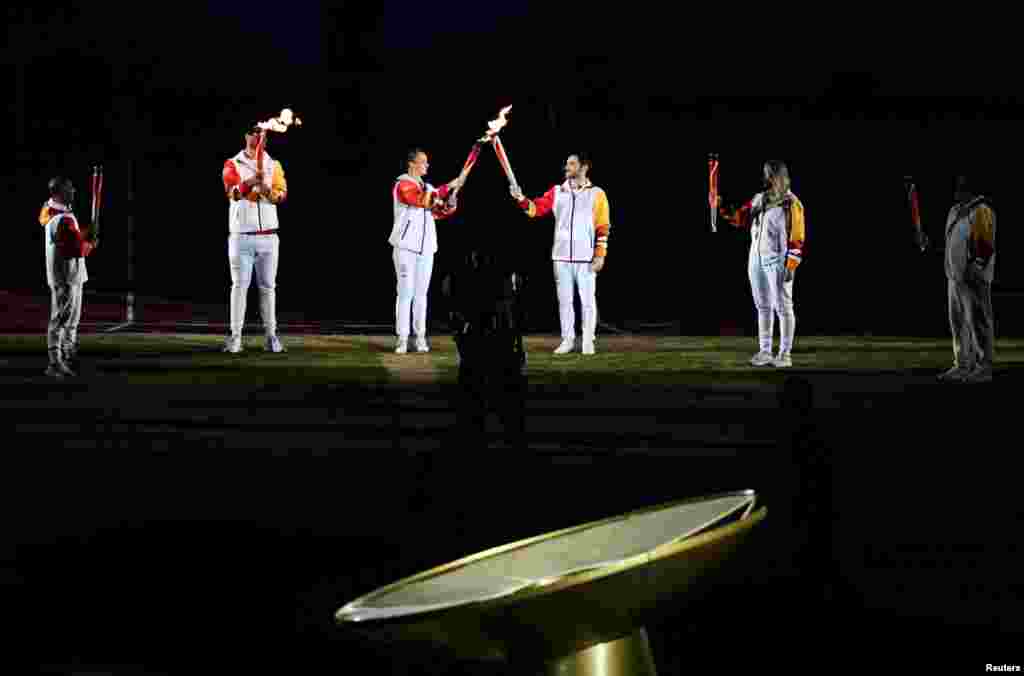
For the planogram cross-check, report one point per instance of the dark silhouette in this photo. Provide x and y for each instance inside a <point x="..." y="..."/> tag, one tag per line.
<point x="487" y="318"/>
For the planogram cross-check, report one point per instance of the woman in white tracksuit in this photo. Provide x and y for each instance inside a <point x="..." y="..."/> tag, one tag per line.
<point x="417" y="205"/>
<point x="775" y="219"/>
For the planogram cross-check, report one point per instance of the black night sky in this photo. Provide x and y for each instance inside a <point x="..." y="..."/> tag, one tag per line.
<point x="852" y="98"/>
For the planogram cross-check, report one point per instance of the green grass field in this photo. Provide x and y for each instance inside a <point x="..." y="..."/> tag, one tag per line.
<point x="624" y="359"/>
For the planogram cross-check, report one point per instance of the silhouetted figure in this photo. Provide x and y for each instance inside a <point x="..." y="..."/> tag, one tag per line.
<point x="487" y="318"/>
<point x="970" y="269"/>
<point x="807" y="498"/>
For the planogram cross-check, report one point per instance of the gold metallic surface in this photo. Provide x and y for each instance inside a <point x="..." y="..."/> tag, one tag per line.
<point x="628" y="656"/>
<point x="558" y="620"/>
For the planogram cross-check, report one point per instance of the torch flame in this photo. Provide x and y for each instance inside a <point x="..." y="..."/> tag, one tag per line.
<point x="281" y="122"/>
<point x="498" y="124"/>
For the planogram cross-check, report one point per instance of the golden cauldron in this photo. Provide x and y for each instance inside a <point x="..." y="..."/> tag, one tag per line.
<point x="572" y="602"/>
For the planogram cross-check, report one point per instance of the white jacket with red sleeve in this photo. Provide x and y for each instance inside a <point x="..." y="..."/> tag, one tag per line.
<point x="64" y="244"/>
<point x="251" y="211"/>
<point x="582" y="221"/>
<point x="417" y="205"/>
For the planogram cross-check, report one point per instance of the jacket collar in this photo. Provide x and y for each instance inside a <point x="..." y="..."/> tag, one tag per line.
<point x="57" y="206"/>
<point x="582" y="186"/>
<point x="406" y="177"/>
<point x="248" y="161"/>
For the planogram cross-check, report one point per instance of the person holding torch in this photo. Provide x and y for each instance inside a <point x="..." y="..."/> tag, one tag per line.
<point x="775" y="218"/>
<point x="255" y="184"/>
<point x="417" y="205"/>
<point x="66" y="248"/>
<point x="582" y="225"/>
<point x="970" y="259"/>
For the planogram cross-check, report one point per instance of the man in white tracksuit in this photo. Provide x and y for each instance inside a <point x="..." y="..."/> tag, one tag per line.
<point x="970" y="267"/>
<point x="417" y="205"/>
<point x="775" y="219"/>
<point x="255" y="184"/>
<point x="582" y="226"/>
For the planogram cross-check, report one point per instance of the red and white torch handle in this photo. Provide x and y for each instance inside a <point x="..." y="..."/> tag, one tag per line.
<point x="499" y="149"/>
<point x="97" y="199"/>
<point x="713" y="190"/>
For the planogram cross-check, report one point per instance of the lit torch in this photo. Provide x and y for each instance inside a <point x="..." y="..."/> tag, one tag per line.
<point x="281" y="122"/>
<point x="713" y="190"/>
<point x="278" y="124"/>
<point x="496" y="126"/>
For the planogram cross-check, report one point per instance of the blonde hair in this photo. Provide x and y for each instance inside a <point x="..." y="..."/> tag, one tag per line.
<point x="777" y="168"/>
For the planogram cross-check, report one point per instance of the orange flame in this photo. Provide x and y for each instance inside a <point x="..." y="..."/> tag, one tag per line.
<point x="281" y="122"/>
<point x="494" y="126"/>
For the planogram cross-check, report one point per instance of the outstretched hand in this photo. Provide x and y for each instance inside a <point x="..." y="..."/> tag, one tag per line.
<point x="597" y="264"/>
<point x="517" y="193"/>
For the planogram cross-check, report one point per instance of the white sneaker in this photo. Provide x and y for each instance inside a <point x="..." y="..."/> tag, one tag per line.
<point x="421" y="345"/>
<point x="59" y="370"/>
<point x="233" y="344"/>
<point x="588" y="347"/>
<point x="402" y="346"/>
<point x="762" y="359"/>
<point x="273" y="344"/>
<point x="565" y="346"/>
<point x="782" y="361"/>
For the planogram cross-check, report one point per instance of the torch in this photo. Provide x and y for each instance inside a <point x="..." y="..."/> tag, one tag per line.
<point x="915" y="213"/>
<point x="279" y="124"/>
<point x="494" y="126"/>
<point x="97" y="200"/>
<point x="499" y="150"/>
<point x="713" y="189"/>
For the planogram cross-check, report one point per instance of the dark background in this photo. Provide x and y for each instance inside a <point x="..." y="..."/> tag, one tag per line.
<point x="163" y="566"/>
<point x="159" y="99"/>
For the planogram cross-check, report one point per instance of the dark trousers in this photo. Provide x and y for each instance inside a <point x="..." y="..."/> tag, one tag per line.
<point x="492" y="375"/>
<point x="971" y="322"/>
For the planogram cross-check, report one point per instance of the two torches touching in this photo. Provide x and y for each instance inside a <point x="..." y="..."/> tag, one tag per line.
<point x="491" y="136"/>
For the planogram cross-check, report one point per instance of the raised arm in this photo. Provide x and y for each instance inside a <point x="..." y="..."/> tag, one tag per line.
<point x="410" y="193"/>
<point x="70" y="241"/>
<point x="738" y="218"/>
<point x="538" y="207"/>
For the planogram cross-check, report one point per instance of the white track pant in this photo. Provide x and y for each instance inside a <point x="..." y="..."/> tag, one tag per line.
<point x="412" y="273"/>
<point x="65" y="313"/>
<point x="972" y="323"/>
<point x="772" y="297"/>
<point x="247" y="253"/>
<point x="570" y="278"/>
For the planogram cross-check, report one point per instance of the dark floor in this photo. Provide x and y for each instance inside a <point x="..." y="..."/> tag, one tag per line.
<point x="891" y="544"/>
